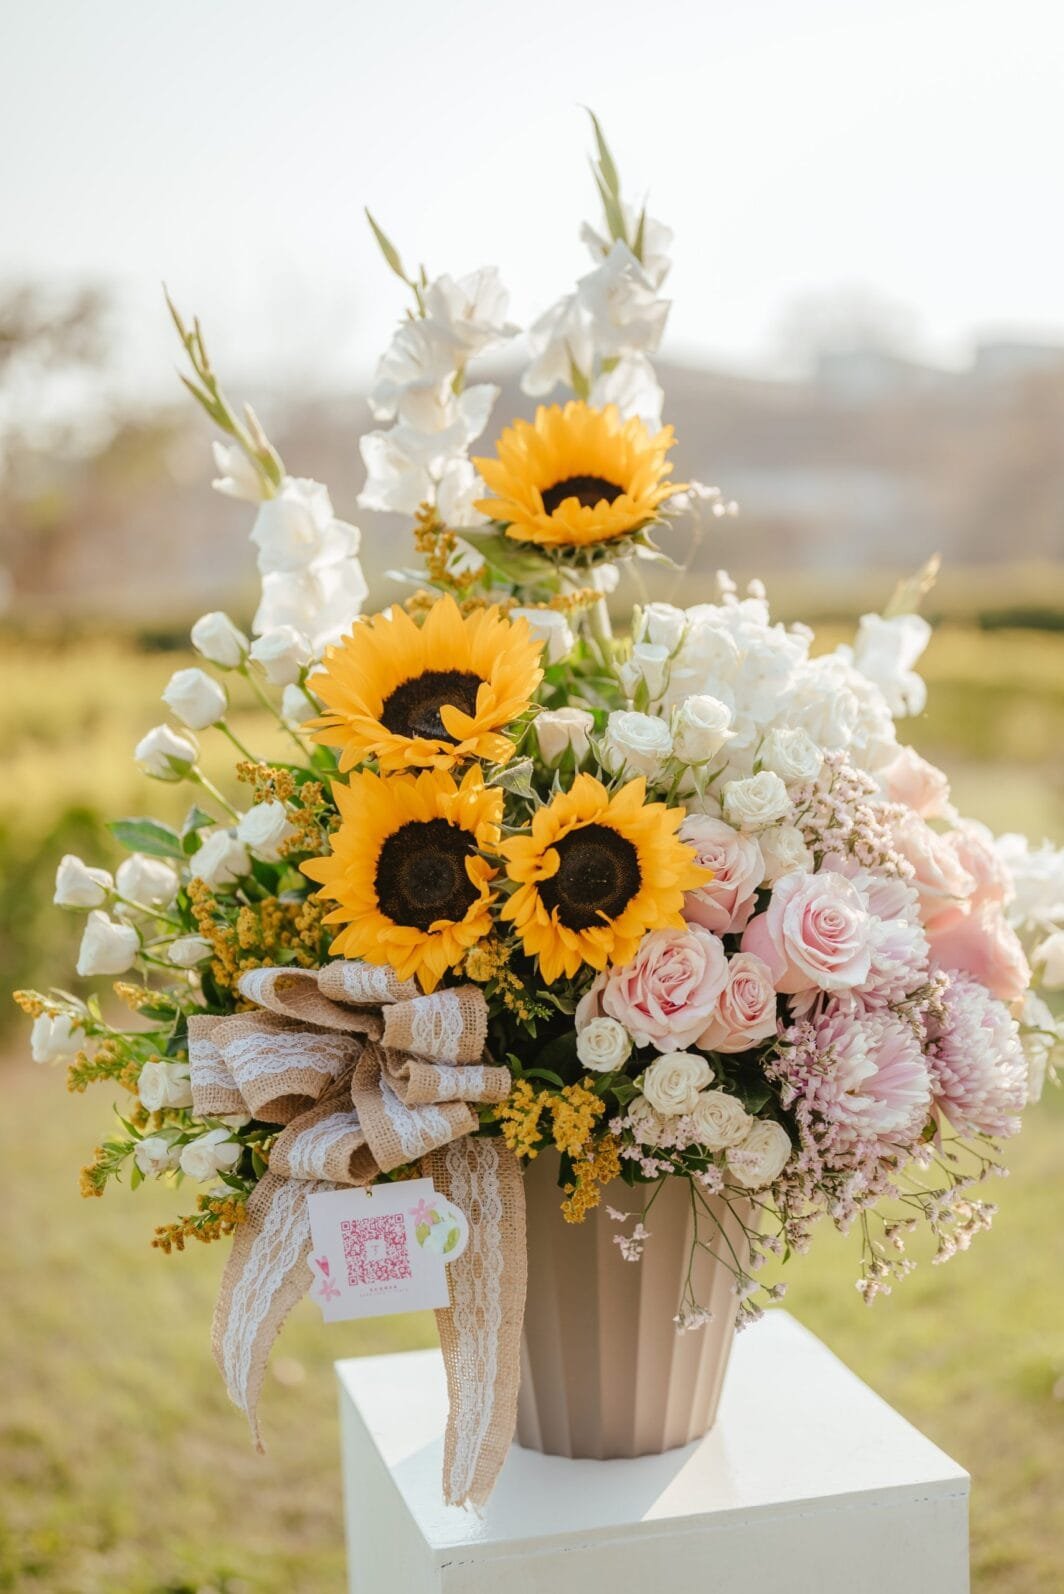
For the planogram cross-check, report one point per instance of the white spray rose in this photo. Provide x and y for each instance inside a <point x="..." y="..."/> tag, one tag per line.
<point x="162" y="1085"/>
<point x="664" y="624"/>
<point x="1050" y="957"/>
<point x="761" y="1157"/>
<point x="296" y="706"/>
<point x="672" y="1082"/>
<point x="221" y="859"/>
<point x="165" y="755"/>
<point x="195" y="699"/>
<point x="151" y="882"/>
<point x="719" y="1120"/>
<point x="700" y="728"/>
<point x="106" y="947"/>
<point x="757" y="802"/>
<point x="237" y="476"/>
<point x="154" y="1155"/>
<point x="784" y="851"/>
<point x="78" y="886"/>
<point x="188" y="950"/>
<point x="649" y="666"/>
<point x="559" y="728"/>
<point x="792" y="754"/>
<point x="211" y="1154"/>
<point x="640" y="744"/>
<point x="603" y="1045"/>
<point x="53" y="1038"/>
<point x="283" y="654"/>
<point x="265" y="828"/>
<point x="219" y="641"/>
<point x="648" y="1125"/>
<point x="550" y="628"/>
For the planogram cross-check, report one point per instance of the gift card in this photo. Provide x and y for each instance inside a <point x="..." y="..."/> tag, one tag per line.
<point x="383" y="1248"/>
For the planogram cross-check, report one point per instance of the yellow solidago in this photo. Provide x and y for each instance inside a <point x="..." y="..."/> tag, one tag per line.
<point x="216" y="1215"/>
<point x="576" y="1111"/>
<point x="268" y="782"/>
<point x="519" y="1117"/>
<point x="110" y="1062"/>
<point x="601" y="1165"/>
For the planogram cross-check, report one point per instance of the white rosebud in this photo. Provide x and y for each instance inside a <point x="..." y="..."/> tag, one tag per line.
<point x="53" y="1038"/>
<point x="297" y="707"/>
<point x="648" y="665"/>
<point x="1050" y="957"/>
<point x="283" y="653"/>
<point x="757" y="802"/>
<point x="221" y="860"/>
<point x="761" y="1157"/>
<point x="784" y="851"/>
<point x="648" y="1125"/>
<point x="219" y="641"/>
<point x="195" y="698"/>
<point x="155" y="1154"/>
<point x="162" y="1085"/>
<point x="672" y="1082"/>
<point x="792" y="754"/>
<point x="701" y="728"/>
<point x="559" y="728"/>
<point x="106" y="947"/>
<point x="603" y="1045"/>
<point x="551" y="628"/>
<point x="265" y="828"/>
<point x="664" y="624"/>
<point x="149" y="882"/>
<point x="211" y="1154"/>
<point x="638" y="744"/>
<point x="188" y="950"/>
<point x="237" y="476"/>
<point x="719" y="1120"/>
<point x="165" y="755"/>
<point x="78" y="886"/>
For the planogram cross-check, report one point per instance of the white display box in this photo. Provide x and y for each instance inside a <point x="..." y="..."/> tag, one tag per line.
<point x="808" y="1484"/>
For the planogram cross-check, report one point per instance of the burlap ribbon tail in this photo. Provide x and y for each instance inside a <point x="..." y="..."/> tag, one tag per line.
<point x="366" y="1074"/>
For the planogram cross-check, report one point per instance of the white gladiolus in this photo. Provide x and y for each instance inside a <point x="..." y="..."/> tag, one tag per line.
<point x="296" y="706"/>
<point x="1049" y="956"/>
<point x="886" y="651"/>
<point x="297" y="526"/>
<point x="792" y="754"/>
<point x="162" y="1085"/>
<point x="673" y="1081"/>
<point x="54" y="1037"/>
<point x="323" y="601"/>
<point x="701" y="727"/>
<point x="603" y="1045"/>
<point x="237" y="476"/>
<point x="221" y="860"/>
<point x="638" y="744"/>
<point x="219" y="641"/>
<point x="165" y="755"/>
<point x="106" y="947"/>
<point x="148" y="882"/>
<point x="551" y="628"/>
<point x="155" y="1154"/>
<point x="757" y="802"/>
<point x="283" y="653"/>
<point x="211" y="1154"/>
<point x="188" y="950"/>
<point x="559" y="728"/>
<point x="79" y="886"/>
<point x="649" y="666"/>
<point x="761" y="1157"/>
<point x="265" y="828"/>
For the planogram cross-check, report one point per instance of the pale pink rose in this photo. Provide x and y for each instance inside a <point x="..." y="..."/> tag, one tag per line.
<point x="746" y="1008"/>
<point x="983" y="944"/>
<point x="911" y="780"/>
<point x="973" y="845"/>
<point x="815" y="932"/>
<point x="942" y="883"/>
<point x="664" y="997"/>
<point x="727" y="901"/>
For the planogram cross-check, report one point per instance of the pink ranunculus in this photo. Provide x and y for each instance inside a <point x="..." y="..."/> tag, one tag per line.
<point x="973" y="845"/>
<point x="941" y="881"/>
<point x="983" y="944"/>
<point x="815" y="932"/>
<point x="911" y="780"/>
<point x="665" y="996"/>
<point x="746" y="1008"/>
<point x="726" y="902"/>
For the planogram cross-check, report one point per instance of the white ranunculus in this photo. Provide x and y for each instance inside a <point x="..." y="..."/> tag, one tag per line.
<point x="784" y="851"/>
<point x="673" y="1081"/>
<point x="638" y="744"/>
<point x="237" y="476"/>
<point x="221" y="860"/>
<point x="150" y="882"/>
<point x="79" y="886"/>
<point x="1049" y="956"/>
<point x="757" y="802"/>
<point x="155" y="1154"/>
<point x="886" y="651"/>
<point x="106" y="947"/>
<point x="188" y="950"/>
<point x="296" y="706"/>
<point x="162" y="1085"/>
<point x="265" y="829"/>
<point x="219" y="641"/>
<point x="54" y="1037"/>
<point x="719" y="1120"/>
<point x="792" y="754"/>
<point x="551" y="628"/>
<point x="603" y="1045"/>
<point x="195" y="698"/>
<point x="165" y="755"/>
<point x="700" y="728"/>
<point x="283" y="653"/>
<point x="761" y="1157"/>
<point x="649" y="665"/>
<point x="559" y="728"/>
<point x="210" y="1155"/>
<point x="664" y="624"/>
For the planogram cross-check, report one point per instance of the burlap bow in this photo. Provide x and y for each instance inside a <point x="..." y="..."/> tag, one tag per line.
<point x="367" y="1074"/>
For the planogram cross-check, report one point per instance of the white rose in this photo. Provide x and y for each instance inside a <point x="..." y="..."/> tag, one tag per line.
<point x="211" y="1154"/>
<point x="165" y="755"/>
<point x="78" y="886"/>
<point x="757" y="802"/>
<point x="106" y="947"/>
<point x="195" y="699"/>
<point x="638" y="744"/>
<point x="188" y="950"/>
<point x="283" y="654"/>
<point x="237" y="476"/>
<point x="1050" y="956"/>
<point x="296" y="706"/>
<point x="219" y="641"/>
<point x="295" y="527"/>
<point x="761" y="1157"/>
<point x="53" y="1038"/>
<point x="672" y="1082"/>
<point x="700" y="728"/>
<point x="221" y="859"/>
<point x="155" y="1154"/>
<point x="550" y="628"/>
<point x="559" y="728"/>
<point x="647" y="665"/>
<point x="162" y="1085"/>
<point x="150" y="882"/>
<point x="648" y="1125"/>
<point x="664" y="624"/>
<point x="603" y="1045"/>
<point x="784" y="851"/>
<point x="792" y="754"/>
<point x="719" y="1120"/>
<point x="265" y="829"/>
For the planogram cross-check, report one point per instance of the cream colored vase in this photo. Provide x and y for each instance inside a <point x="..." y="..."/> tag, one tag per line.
<point x="604" y="1372"/>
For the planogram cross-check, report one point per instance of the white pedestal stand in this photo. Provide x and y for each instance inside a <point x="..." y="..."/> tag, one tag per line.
<point x="808" y="1484"/>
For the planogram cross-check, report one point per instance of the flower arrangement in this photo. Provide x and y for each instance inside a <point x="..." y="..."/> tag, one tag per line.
<point x="723" y="926"/>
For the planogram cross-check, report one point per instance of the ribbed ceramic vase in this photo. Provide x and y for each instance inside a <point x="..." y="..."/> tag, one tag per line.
<point x="604" y="1372"/>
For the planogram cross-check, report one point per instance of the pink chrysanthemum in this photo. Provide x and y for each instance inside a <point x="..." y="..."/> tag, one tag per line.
<point x="978" y="1071"/>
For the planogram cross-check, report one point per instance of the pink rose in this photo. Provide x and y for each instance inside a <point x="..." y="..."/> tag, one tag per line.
<point x="911" y="780"/>
<point x="816" y="931"/>
<point x="665" y="996"/>
<point x="942" y="883"/>
<point x="983" y="944"/>
<point x="727" y="901"/>
<point x="746" y="1008"/>
<point x="973" y="846"/>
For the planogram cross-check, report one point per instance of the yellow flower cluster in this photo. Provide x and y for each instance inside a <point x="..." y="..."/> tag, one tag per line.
<point x="574" y="1111"/>
<point x="487" y="963"/>
<point x="258" y="936"/>
<point x="438" y="547"/>
<point x="519" y="1117"/>
<point x="109" y="1061"/>
<point x="268" y="782"/>
<point x="216" y="1215"/>
<point x="601" y="1164"/>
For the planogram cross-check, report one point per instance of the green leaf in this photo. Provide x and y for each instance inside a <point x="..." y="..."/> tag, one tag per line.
<point x="516" y="778"/>
<point x="196" y="819"/>
<point x="607" y="165"/>
<point x="910" y="593"/>
<point x="147" y="835"/>
<point x="640" y="236"/>
<point x="611" y="206"/>
<point x="388" y="250"/>
<point x="522" y="566"/>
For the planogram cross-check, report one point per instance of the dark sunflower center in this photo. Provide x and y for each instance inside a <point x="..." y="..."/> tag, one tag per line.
<point x="590" y="490"/>
<point x="597" y="878"/>
<point x="413" y="709"/>
<point x="421" y="873"/>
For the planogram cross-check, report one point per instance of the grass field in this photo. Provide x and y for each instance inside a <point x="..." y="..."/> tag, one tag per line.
<point x="122" y="1465"/>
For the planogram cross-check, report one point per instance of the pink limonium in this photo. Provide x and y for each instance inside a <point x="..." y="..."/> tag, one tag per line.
<point x="978" y="1069"/>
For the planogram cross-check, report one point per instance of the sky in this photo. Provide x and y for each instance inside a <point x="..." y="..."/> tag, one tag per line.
<point x="795" y="146"/>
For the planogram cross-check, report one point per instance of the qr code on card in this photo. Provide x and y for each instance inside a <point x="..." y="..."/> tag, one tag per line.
<point x="375" y="1249"/>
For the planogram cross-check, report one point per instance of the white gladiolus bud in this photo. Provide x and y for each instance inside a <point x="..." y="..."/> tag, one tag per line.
<point x="649" y="664"/>
<point x="701" y="728"/>
<point x="792" y="754"/>
<point x="296" y="706"/>
<point x="784" y="851"/>
<point x="559" y="728"/>
<point x="150" y="882"/>
<point x="165" y="755"/>
<point x="603" y="1045"/>
<point x="211" y="1154"/>
<point x="219" y="641"/>
<point x="1050" y="958"/>
<point x="673" y="1081"/>
<point x="221" y="860"/>
<point x="78" y="886"/>
<point x="756" y="803"/>
<point x="283" y="653"/>
<point x="155" y="1155"/>
<point x="638" y="744"/>
<point x="188" y="950"/>
<point x="237" y="476"/>
<point x="195" y="699"/>
<point x="551" y="628"/>
<point x="106" y="947"/>
<point x="265" y="828"/>
<point x="162" y="1085"/>
<point x="54" y="1038"/>
<point x="761" y="1157"/>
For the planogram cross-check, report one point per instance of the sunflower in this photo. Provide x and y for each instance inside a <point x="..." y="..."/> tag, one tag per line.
<point x="596" y="873"/>
<point x="576" y="476"/>
<point x="405" y="869"/>
<point x="427" y="696"/>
